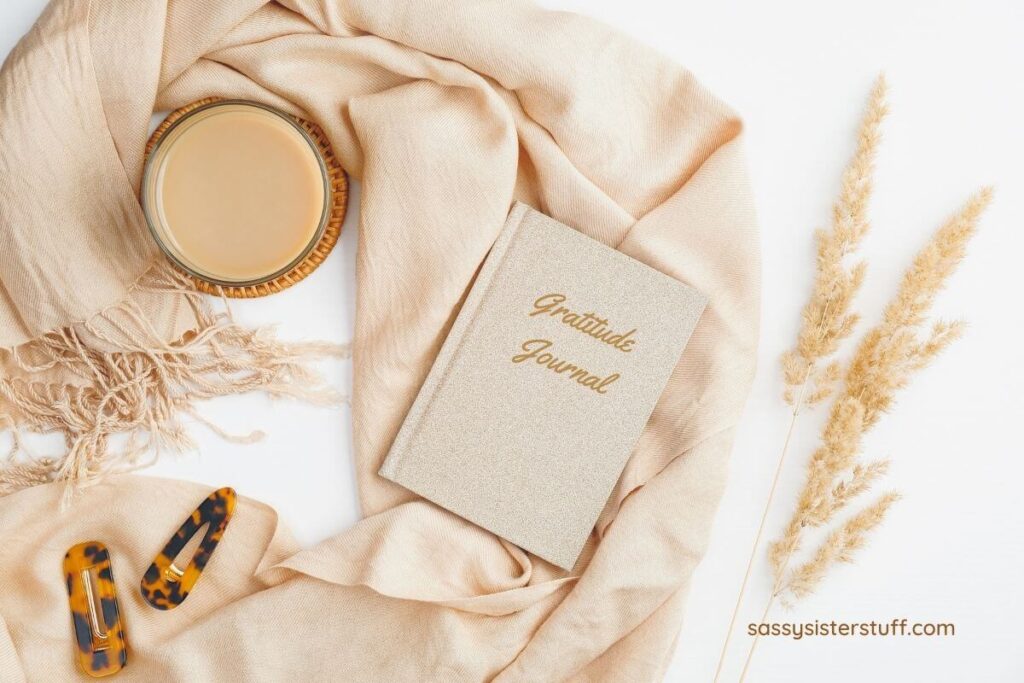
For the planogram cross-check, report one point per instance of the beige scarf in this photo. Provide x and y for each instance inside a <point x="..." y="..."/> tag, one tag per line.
<point x="447" y="112"/>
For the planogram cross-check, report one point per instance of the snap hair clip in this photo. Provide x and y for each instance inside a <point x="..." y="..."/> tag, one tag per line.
<point x="99" y="633"/>
<point x="165" y="585"/>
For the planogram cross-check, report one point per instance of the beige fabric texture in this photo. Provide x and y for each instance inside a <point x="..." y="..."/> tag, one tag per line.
<point x="447" y="112"/>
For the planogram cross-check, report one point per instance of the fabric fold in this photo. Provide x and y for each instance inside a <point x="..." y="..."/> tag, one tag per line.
<point x="454" y="563"/>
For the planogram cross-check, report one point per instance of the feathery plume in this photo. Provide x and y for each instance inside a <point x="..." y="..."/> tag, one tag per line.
<point x="840" y="546"/>
<point x="827" y="319"/>
<point x="809" y="374"/>
<point x="883" y="363"/>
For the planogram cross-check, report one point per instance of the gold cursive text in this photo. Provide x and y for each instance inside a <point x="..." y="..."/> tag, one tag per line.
<point x="537" y="350"/>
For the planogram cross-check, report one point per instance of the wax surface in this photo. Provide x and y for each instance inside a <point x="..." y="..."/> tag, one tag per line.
<point x="239" y="192"/>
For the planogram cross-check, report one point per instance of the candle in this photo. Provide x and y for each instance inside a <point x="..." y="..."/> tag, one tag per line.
<point x="236" y="193"/>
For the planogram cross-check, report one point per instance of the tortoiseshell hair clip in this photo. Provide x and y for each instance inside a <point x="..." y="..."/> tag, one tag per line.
<point x="101" y="649"/>
<point x="165" y="585"/>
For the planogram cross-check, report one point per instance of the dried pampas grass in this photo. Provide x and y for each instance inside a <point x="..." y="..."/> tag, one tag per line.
<point x="827" y="317"/>
<point x="840" y="546"/>
<point x="883" y="362"/>
<point x="808" y="370"/>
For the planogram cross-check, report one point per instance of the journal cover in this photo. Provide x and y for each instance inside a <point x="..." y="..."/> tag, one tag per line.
<point x="543" y="386"/>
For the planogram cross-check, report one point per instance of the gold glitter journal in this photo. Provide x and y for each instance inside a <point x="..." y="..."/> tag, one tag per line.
<point x="538" y="395"/>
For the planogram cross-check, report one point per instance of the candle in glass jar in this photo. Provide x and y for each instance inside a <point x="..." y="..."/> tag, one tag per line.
<point x="236" y="193"/>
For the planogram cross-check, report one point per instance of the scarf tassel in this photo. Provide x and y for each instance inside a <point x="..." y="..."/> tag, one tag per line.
<point x="116" y="375"/>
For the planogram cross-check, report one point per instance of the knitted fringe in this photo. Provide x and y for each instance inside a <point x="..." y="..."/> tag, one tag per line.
<point x="119" y="376"/>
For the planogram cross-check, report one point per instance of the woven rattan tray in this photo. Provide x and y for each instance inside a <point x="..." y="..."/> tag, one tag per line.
<point x="332" y="231"/>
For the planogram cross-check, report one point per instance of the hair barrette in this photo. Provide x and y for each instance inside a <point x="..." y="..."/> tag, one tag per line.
<point x="99" y="633"/>
<point x="165" y="585"/>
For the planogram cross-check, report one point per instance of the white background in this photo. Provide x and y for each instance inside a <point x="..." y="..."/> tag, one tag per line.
<point x="953" y="549"/>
